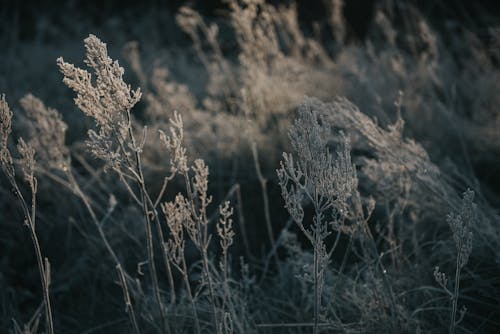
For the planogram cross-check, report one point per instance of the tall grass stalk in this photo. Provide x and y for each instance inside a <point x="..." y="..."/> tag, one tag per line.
<point x="27" y="163"/>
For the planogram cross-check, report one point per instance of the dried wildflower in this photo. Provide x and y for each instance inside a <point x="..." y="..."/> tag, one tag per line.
<point x="441" y="279"/>
<point x="225" y="227"/>
<point x="396" y="159"/>
<point x="176" y="214"/>
<point x="200" y="184"/>
<point x="5" y="122"/>
<point x="27" y="161"/>
<point x="461" y="223"/>
<point x="107" y="99"/>
<point x="174" y="144"/>
<point x="292" y="194"/>
<point x="327" y="180"/>
<point x="48" y="133"/>
<point x="5" y="130"/>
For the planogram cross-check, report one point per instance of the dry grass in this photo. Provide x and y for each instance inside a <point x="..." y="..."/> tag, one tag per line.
<point x="175" y="214"/>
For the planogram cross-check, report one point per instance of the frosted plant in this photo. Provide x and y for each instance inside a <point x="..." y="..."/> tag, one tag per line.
<point x="174" y="145"/>
<point x="393" y="155"/>
<point x="225" y="233"/>
<point x="5" y="130"/>
<point x="461" y="223"/>
<point x="189" y="214"/>
<point x="176" y="214"/>
<point x="327" y="180"/>
<point x="48" y="133"/>
<point x="197" y="226"/>
<point x="226" y="238"/>
<point x="27" y="163"/>
<point x="108" y="100"/>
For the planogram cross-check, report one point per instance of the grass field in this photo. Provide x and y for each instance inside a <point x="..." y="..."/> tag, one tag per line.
<point x="254" y="168"/>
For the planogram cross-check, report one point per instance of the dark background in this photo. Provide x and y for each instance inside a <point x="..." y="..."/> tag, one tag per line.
<point x="20" y="19"/>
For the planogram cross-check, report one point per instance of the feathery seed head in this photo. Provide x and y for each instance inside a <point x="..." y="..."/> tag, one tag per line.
<point x="27" y="162"/>
<point x="106" y="98"/>
<point x="225" y="226"/>
<point x="461" y="223"/>
<point x="5" y="130"/>
<point x="48" y="133"/>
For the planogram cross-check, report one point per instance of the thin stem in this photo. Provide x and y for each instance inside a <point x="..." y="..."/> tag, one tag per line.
<point x="210" y="289"/>
<point x="381" y="268"/>
<point x="315" y="281"/>
<point x="149" y="234"/>
<point x="190" y="294"/>
<point x="162" y="190"/>
<point x="455" y="298"/>
<point x="128" y="303"/>
<point x="241" y="220"/>
<point x="44" y="279"/>
<point x="343" y="264"/>
<point x="128" y="187"/>
<point x="43" y="271"/>
<point x="151" y="264"/>
<point x="265" y="198"/>
<point x="163" y="247"/>
<point x="76" y="188"/>
<point x="121" y="275"/>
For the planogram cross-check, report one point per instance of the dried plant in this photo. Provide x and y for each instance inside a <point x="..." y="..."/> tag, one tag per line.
<point x="197" y="228"/>
<point x="226" y="235"/>
<point x="461" y="223"/>
<point x="5" y="131"/>
<point x="191" y="215"/>
<point x="109" y="101"/>
<point x="27" y="163"/>
<point x="48" y="135"/>
<point x="176" y="214"/>
<point x="326" y="180"/>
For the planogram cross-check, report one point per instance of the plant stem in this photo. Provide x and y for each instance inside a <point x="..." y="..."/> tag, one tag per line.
<point x="265" y="198"/>
<point x="190" y="295"/>
<point x="455" y="298"/>
<point x="316" y="287"/>
<point x="149" y="234"/>
<point x="210" y="289"/>
<point x="43" y="270"/>
<point x="126" y="296"/>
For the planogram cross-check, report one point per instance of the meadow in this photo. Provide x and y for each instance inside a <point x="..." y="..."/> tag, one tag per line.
<point x="250" y="171"/>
